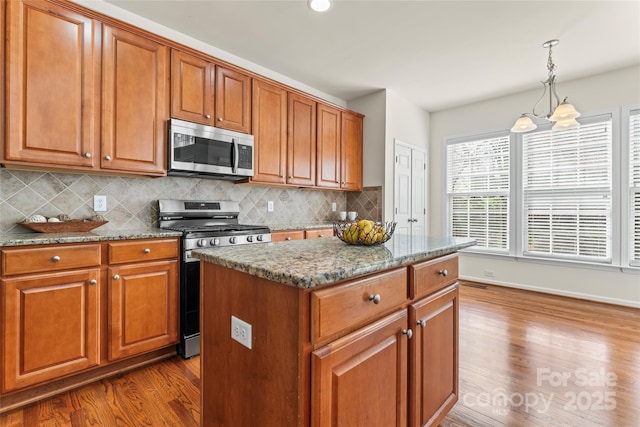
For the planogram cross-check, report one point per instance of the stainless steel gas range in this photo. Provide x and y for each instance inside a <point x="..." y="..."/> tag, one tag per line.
<point x="203" y="224"/>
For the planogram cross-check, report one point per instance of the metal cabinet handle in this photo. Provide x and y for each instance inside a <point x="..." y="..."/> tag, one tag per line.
<point x="93" y="281"/>
<point x="147" y="250"/>
<point x="408" y="333"/>
<point x="320" y="235"/>
<point x="290" y="176"/>
<point x="56" y="258"/>
<point x="107" y="157"/>
<point x="219" y="119"/>
<point x="87" y="155"/>
<point x="288" y="238"/>
<point x="207" y="116"/>
<point x="443" y="273"/>
<point x="375" y="298"/>
<point x="116" y="277"/>
<point x="422" y="323"/>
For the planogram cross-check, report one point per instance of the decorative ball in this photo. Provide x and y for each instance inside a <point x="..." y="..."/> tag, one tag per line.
<point x="64" y="217"/>
<point x="53" y="219"/>
<point x="37" y="218"/>
<point x="96" y="218"/>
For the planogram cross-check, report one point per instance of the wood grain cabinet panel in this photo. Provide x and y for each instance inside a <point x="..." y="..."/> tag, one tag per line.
<point x="351" y="152"/>
<point x="142" y="250"/>
<point x="434" y="357"/>
<point x="52" y="85"/>
<point x="329" y="141"/>
<point x="50" y="326"/>
<point x="361" y="379"/>
<point x="143" y="308"/>
<point x="49" y="258"/>
<point x="318" y="233"/>
<point x="301" y="141"/>
<point x="135" y="103"/>
<point x="431" y="276"/>
<point x="192" y="96"/>
<point x="269" y="124"/>
<point x="284" y="235"/>
<point x="233" y="100"/>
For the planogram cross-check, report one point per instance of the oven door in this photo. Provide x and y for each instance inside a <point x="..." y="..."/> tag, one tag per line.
<point x="196" y="149"/>
<point x="189" y="345"/>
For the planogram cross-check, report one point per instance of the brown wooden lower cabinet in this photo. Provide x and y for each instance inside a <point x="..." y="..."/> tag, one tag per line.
<point x="285" y="235"/>
<point x="385" y="364"/>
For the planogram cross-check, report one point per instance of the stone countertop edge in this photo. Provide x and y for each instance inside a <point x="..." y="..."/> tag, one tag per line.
<point x="22" y="239"/>
<point x="311" y="263"/>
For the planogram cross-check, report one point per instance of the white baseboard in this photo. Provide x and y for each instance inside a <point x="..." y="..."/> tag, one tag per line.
<point x="578" y="295"/>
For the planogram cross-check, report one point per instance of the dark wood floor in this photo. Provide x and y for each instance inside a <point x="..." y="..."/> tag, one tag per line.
<point x="526" y="359"/>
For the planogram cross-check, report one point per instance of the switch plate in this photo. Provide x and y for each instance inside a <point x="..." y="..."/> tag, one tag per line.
<point x="333" y="207"/>
<point x="241" y="331"/>
<point x="270" y="206"/>
<point x="100" y="203"/>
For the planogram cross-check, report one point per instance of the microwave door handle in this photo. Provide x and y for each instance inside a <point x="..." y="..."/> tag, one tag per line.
<point x="234" y="161"/>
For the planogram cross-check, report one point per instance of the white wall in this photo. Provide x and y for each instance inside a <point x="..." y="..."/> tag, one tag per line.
<point x="589" y="95"/>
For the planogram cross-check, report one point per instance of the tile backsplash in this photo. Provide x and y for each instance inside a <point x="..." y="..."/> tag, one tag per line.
<point x="132" y="202"/>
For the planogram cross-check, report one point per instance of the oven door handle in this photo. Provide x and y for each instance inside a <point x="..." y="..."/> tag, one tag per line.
<point x="234" y="161"/>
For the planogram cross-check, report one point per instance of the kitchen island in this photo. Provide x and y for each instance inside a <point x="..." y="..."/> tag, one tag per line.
<point x="320" y="333"/>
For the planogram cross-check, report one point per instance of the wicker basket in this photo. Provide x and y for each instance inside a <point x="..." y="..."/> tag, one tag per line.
<point x="349" y="233"/>
<point x="61" y="227"/>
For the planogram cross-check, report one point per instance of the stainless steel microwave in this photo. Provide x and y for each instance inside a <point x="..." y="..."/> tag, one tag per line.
<point x="209" y="152"/>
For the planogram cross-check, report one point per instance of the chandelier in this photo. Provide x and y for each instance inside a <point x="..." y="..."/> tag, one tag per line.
<point x="562" y="113"/>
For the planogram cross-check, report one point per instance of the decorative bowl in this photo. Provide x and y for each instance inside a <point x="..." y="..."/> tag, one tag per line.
<point x="61" y="227"/>
<point x="365" y="233"/>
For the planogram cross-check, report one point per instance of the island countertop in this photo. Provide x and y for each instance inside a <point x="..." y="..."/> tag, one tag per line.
<point x="315" y="262"/>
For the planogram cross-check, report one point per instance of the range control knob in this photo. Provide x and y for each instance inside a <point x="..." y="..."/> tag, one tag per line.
<point x="249" y="238"/>
<point x="215" y="242"/>
<point x="233" y="240"/>
<point x="259" y="237"/>
<point x="202" y="243"/>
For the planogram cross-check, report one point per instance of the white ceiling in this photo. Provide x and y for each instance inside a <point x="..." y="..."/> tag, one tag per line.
<point x="436" y="54"/>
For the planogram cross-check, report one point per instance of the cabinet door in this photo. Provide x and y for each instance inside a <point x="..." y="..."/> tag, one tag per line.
<point x="434" y="357"/>
<point x="233" y="100"/>
<point x="361" y="379"/>
<point x="143" y="308"/>
<point x="135" y="104"/>
<point x="301" y="141"/>
<point x="191" y="88"/>
<point x="49" y="326"/>
<point x="351" y="155"/>
<point x="52" y="85"/>
<point x="329" y="141"/>
<point x="269" y="132"/>
<point x="285" y="235"/>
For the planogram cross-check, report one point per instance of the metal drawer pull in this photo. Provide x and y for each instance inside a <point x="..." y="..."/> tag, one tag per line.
<point x="375" y="298"/>
<point x="207" y="116"/>
<point x="93" y="281"/>
<point x="288" y="238"/>
<point x="147" y="250"/>
<point x="421" y="323"/>
<point x="408" y="333"/>
<point x="116" y="277"/>
<point x="443" y="273"/>
<point x="87" y="155"/>
<point x="321" y="235"/>
<point x="56" y="258"/>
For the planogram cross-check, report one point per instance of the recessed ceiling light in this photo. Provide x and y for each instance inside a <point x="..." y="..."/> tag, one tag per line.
<point x="320" y="5"/>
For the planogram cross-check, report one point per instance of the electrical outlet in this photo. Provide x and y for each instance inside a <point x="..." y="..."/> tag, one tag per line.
<point x="241" y="331"/>
<point x="333" y="207"/>
<point x="270" y="206"/>
<point x="100" y="203"/>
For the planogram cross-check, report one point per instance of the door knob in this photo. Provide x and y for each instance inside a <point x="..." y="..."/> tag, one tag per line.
<point x="408" y="333"/>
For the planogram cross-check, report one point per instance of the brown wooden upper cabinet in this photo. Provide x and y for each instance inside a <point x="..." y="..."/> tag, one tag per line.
<point x="233" y="100"/>
<point x="192" y="88"/>
<point x="339" y="162"/>
<point x="269" y="124"/>
<point x="135" y="102"/>
<point x="55" y="104"/>
<point x="301" y="141"/>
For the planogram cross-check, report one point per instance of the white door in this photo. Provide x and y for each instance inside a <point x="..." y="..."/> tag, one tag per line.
<point x="410" y="189"/>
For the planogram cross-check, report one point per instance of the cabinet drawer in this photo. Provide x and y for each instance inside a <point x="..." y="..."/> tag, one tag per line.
<point x="344" y="307"/>
<point x="49" y="258"/>
<point x="281" y="236"/>
<point x="142" y="250"/>
<point x="320" y="232"/>
<point x="430" y="276"/>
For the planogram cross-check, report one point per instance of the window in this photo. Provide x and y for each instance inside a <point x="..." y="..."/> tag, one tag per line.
<point x="567" y="192"/>
<point x="478" y="190"/>
<point x="634" y="187"/>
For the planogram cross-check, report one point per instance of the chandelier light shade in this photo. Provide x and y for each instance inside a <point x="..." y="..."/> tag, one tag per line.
<point x="562" y="113"/>
<point x="320" y="5"/>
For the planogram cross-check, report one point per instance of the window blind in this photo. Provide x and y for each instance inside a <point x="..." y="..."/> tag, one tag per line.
<point x="478" y="188"/>
<point x="634" y="185"/>
<point x="567" y="192"/>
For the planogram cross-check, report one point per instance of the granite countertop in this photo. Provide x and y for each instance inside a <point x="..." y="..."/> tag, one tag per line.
<point x="315" y="262"/>
<point x="21" y="239"/>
